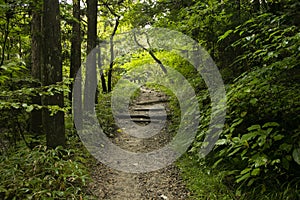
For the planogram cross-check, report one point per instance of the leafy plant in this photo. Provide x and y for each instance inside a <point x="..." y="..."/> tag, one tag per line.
<point x="43" y="173"/>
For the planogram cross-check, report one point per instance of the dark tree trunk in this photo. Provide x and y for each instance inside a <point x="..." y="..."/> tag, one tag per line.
<point x="103" y="81"/>
<point x="54" y="126"/>
<point x="36" y="48"/>
<point x="76" y="64"/>
<point x="112" y="56"/>
<point x="6" y="33"/>
<point x="92" y="24"/>
<point x="91" y="72"/>
<point x="76" y="44"/>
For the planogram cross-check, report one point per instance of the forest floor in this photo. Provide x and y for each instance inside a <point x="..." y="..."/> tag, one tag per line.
<point x="166" y="184"/>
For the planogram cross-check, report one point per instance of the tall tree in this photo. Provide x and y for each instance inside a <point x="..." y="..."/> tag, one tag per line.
<point x="76" y="61"/>
<point x="92" y="24"/>
<point x="112" y="56"/>
<point x="36" y="48"/>
<point x="8" y="16"/>
<point x="76" y="43"/>
<point x="91" y="72"/>
<point x="52" y="73"/>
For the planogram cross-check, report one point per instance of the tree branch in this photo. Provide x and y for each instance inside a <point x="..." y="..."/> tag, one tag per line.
<point x="151" y="53"/>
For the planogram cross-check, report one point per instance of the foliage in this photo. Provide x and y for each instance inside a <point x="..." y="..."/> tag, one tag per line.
<point x="202" y="181"/>
<point x="259" y="147"/>
<point x="43" y="173"/>
<point x="254" y="43"/>
<point x="17" y="90"/>
<point x="104" y="114"/>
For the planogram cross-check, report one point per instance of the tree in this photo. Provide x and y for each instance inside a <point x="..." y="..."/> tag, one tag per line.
<point x="76" y="43"/>
<point x="76" y="60"/>
<point x="53" y="124"/>
<point x="112" y="56"/>
<point x="36" y="48"/>
<point x="91" y="73"/>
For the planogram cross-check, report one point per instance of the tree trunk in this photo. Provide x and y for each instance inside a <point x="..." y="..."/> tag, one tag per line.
<point x="76" y="64"/>
<point x="112" y="55"/>
<point x="92" y="24"/>
<point x="91" y="72"/>
<point x="103" y="81"/>
<point x="6" y="33"/>
<point x="36" y="44"/>
<point x="54" y="126"/>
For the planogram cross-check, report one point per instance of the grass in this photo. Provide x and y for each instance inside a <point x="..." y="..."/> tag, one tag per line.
<point x="207" y="184"/>
<point x="202" y="182"/>
<point x="43" y="173"/>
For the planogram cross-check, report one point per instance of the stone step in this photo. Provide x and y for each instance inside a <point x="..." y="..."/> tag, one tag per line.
<point x="132" y="116"/>
<point x="143" y="120"/>
<point x="152" y="102"/>
<point x="148" y="109"/>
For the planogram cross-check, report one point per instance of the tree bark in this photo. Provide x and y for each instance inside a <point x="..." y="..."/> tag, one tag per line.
<point x="112" y="55"/>
<point x="102" y="77"/>
<point x="91" y="72"/>
<point x="75" y="70"/>
<point x="54" y="126"/>
<point x="6" y="33"/>
<point x="92" y="24"/>
<point x="36" y="48"/>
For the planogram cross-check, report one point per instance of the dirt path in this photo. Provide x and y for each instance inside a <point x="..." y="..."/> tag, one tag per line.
<point x="110" y="184"/>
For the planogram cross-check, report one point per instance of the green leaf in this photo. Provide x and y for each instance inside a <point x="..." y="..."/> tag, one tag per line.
<point x="221" y="142"/>
<point x="253" y="101"/>
<point x="225" y="35"/>
<point x="15" y="105"/>
<point x="278" y="137"/>
<point x="296" y="155"/>
<point x="254" y="127"/>
<point x="234" y="152"/>
<point x="255" y="172"/>
<point x="245" y="170"/>
<point x="262" y="140"/>
<point x="243" y="114"/>
<point x="251" y="182"/>
<point x="285" y="163"/>
<point x="249" y="136"/>
<point x="216" y="163"/>
<point x="237" y="123"/>
<point x="244" y="177"/>
<point x="29" y="108"/>
<point x="285" y="147"/>
<point x="270" y="124"/>
<point x="259" y="160"/>
<point x="248" y="90"/>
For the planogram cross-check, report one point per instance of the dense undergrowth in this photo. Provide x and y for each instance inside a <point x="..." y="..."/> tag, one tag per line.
<point x="258" y="150"/>
<point x="44" y="173"/>
<point x="41" y="173"/>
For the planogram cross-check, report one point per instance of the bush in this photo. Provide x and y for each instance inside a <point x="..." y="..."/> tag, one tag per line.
<point x="259" y="148"/>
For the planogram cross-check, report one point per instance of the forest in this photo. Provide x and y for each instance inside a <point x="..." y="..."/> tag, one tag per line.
<point x="215" y="81"/>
